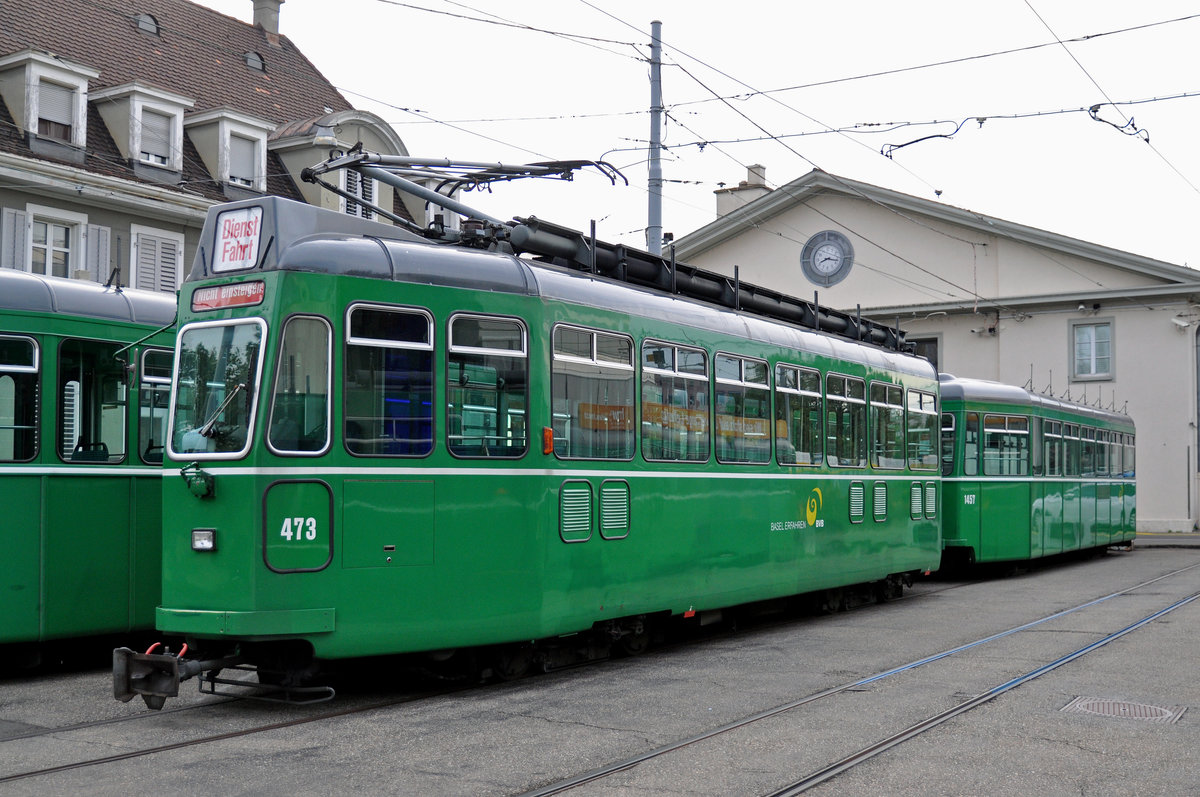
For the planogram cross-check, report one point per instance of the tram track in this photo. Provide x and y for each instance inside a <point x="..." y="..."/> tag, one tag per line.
<point x="409" y="698"/>
<point x="209" y="739"/>
<point x="848" y="762"/>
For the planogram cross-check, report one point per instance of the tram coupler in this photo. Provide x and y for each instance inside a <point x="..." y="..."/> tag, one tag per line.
<point x="156" y="676"/>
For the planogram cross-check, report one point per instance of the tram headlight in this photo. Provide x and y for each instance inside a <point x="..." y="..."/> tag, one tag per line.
<point x="204" y="539"/>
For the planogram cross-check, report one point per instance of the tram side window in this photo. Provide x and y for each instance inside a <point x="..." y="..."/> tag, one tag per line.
<point x="388" y="396"/>
<point x="1087" y="452"/>
<point x="846" y="421"/>
<point x="948" y="451"/>
<point x="971" y="445"/>
<point x="19" y="367"/>
<point x="1052" y="447"/>
<point x="1005" y="445"/>
<point x="921" y="430"/>
<point x="1071" y="448"/>
<point x="1102" y="452"/>
<point x="592" y="401"/>
<point x="674" y="403"/>
<point x="1035" y="445"/>
<point x="887" y="425"/>
<point x="1127" y="460"/>
<point x="743" y="404"/>
<point x="798" y="437"/>
<point x="1114" y="454"/>
<point x="92" y="391"/>
<point x="299" y="420"/>
<point x="487" y="380"/>
<point x="154" y="396"/>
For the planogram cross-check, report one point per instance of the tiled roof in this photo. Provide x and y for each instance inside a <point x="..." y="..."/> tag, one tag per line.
<point x="103" y="157"/>
<point x="198" y="53"/>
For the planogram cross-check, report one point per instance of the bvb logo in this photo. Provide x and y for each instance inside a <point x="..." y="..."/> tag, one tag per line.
<point x="814" y="505"/>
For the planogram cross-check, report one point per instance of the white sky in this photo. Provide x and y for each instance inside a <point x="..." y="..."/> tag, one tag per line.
<point x="461" y="88"/>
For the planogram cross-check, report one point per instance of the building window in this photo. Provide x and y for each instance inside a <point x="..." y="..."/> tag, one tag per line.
<point x="1091" y="350"/>
<point x="146" y="24"/>
<point x="157" y="255"/>
<point x="927" y="348"/>
<point x="241" y="161"/>
<point x="56" y="110"/>
<point x="156" y="138"/>
<point x="364" y="189"/>
<point x="50" y="248"/>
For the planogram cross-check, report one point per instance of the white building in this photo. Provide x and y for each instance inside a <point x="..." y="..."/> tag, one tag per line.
<point x="988" y="298"/>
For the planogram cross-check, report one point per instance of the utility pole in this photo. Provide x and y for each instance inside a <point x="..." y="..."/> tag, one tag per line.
<point x="654" y="216"/>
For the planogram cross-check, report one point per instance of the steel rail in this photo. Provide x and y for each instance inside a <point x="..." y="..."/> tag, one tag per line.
<point x="624" y="764"/>
<point x="850" y="761"/>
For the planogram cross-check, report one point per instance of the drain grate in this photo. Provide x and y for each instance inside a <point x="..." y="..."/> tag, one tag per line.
<point x="1105" y="707"/>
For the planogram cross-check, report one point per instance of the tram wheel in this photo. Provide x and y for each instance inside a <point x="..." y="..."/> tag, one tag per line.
<point x="634" y="644"/>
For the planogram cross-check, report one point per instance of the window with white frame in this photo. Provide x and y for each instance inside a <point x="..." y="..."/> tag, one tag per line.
<point x="45" y="94"/>
<point x="1092" y="349"/>
<point x="56" y="111"/>
<point x="156" y="138"/>
<point x="54" y="242"/>
<point x="157" y="257"/>
<point x="242" y="161"/>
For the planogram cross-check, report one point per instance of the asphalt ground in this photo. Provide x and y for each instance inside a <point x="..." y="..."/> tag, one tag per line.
<point x="384" y="736"/>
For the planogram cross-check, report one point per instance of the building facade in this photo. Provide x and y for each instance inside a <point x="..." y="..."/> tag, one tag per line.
<point x="122" y="122"/>
<point x="987" y="298"/>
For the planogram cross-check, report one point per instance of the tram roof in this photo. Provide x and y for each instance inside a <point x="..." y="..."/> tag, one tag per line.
<point x="298" y="237"/>
<point x="23" y="291"/>
<point x="955" y="388"/>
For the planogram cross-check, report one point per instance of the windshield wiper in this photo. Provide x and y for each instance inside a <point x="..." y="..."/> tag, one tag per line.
<point x="208" y="428"/>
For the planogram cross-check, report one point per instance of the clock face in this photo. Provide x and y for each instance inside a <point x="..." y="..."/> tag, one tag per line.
<point x="826" y="258"/>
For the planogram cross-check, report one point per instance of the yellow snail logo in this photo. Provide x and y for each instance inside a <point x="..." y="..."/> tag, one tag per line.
<point x="814" y="506"/>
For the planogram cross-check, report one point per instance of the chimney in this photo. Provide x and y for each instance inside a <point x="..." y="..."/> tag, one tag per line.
<point x="266" y="15"/>
<point x="750" y="189"/>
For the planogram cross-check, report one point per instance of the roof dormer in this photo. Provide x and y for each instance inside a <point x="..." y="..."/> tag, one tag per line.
<point x="233" y="146"/>
<point x="47" y="96"/>
<point x="147" y="125"/>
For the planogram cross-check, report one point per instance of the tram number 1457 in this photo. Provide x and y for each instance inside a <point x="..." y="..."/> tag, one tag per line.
<point x="299" y="528"/>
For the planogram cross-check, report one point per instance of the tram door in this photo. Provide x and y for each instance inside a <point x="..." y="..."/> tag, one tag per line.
<point x="86" y="524"/>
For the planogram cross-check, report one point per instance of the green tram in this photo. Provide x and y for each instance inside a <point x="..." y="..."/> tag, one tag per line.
<point x="381" y="445"/>
<point x="85" y="376"/>
<point x="1027" y="475"/>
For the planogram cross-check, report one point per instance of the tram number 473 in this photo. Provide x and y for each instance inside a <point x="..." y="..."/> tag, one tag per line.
<point x="299" y="528"/>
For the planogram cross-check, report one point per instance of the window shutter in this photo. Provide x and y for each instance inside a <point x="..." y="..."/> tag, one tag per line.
<point x="156" y="134"/>
<point x="12" y="239"/>
<point x="97" y="252"/>
<point x="168" y="265"/>
<point x="241" y="159"/>
<point x="352" y="182"/>
<point x="362" y="187"/>
<point x="56" y="103"/>
<point x="157" y="263"/>
<point x="147" y="262"/>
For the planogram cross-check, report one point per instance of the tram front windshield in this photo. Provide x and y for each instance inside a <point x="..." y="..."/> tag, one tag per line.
<point x="215" y="389"/>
